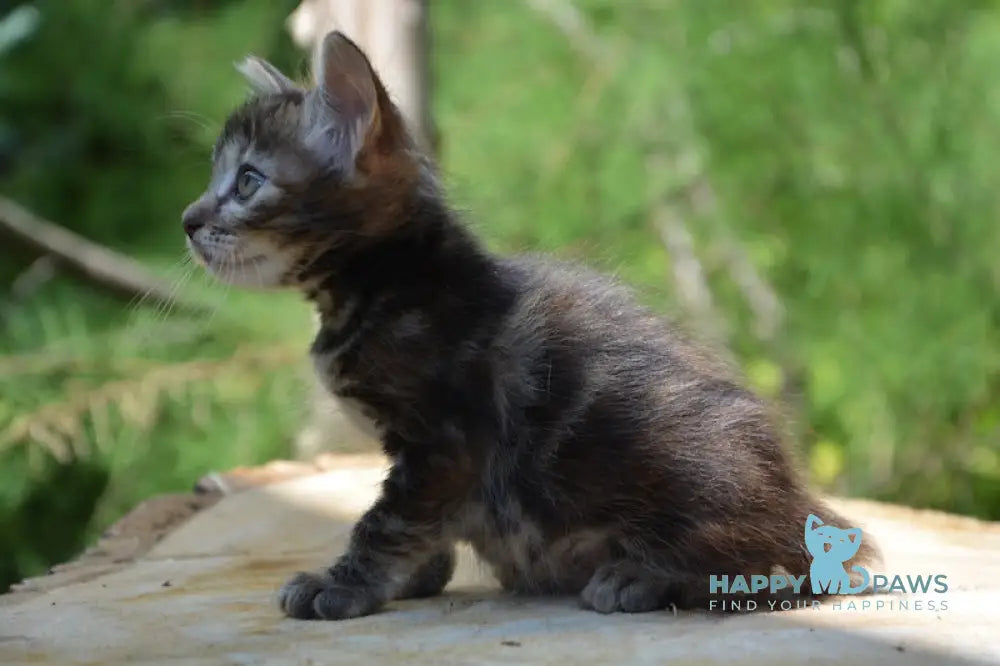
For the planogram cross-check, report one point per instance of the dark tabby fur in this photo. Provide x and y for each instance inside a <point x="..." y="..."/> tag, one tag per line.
<point x="579" y="442"/>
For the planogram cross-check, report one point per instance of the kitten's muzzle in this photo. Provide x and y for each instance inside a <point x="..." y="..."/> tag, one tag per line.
<point x="195" y="216"/>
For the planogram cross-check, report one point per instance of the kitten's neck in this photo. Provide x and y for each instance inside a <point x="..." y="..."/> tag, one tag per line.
<point x="430" y="254"/>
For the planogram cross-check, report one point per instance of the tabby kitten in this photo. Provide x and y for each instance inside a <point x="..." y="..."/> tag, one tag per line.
<point x="576" y="440"/>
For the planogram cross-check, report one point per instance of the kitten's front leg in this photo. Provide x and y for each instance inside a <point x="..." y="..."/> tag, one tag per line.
<point x="392" y="545"/>
<point x="432" y="576"/>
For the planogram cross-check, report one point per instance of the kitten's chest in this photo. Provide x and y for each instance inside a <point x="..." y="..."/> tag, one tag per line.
<point x="343" y="388"/>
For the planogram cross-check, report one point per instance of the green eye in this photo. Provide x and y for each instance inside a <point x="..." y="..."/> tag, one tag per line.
<point x="248" y="181"/>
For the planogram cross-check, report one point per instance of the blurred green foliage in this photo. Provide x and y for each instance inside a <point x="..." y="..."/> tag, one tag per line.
<point x="835" y="154"/>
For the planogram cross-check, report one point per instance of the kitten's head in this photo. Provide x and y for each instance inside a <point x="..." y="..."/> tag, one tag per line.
<point x="301" y="174"/>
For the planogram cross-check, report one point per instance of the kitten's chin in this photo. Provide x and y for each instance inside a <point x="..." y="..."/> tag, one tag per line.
<point x="255" y="272"/>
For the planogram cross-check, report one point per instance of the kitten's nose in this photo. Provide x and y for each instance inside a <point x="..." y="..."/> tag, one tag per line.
<point x="191" y="226"/>
<point x="193" y="218"/>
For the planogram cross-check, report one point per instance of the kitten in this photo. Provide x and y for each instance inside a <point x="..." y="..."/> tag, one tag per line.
<point x="580" y="443"/>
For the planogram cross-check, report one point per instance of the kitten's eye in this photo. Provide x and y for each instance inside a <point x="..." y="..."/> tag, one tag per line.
<point x="248" y="181"/>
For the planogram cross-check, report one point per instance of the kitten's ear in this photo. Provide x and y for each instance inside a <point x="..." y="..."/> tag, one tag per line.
<point x="812" y="522"/>
<point x="264" y="77"/>
<point x="345" y="80"/>
<point x="354" y="100"/>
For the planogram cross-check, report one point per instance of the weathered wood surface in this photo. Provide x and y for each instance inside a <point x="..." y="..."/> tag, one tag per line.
<point x="204" y="592"/>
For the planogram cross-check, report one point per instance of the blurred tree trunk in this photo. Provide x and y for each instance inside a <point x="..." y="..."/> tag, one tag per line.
<point x="395" y="35"/>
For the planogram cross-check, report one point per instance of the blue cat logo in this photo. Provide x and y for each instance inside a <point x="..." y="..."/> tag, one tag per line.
<point x="830" y="547"/>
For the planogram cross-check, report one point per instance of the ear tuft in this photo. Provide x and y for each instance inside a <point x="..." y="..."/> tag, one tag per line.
<point x="264" y="77"/>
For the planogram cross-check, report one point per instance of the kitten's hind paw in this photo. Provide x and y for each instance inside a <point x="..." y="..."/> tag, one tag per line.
<point x="626" y="587"/>
<point x="309" y="596"/>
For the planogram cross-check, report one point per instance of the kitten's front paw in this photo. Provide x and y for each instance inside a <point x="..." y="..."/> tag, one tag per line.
<point x="309" y="596"/>
<point x="625" y="587"/>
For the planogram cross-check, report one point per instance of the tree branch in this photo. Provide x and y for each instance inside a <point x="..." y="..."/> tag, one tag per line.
<point x="114" y="272"/>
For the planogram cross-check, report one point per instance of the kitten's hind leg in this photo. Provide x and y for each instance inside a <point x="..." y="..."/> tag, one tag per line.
<point x="431" y="577"/>
<point x="626" y="586"/>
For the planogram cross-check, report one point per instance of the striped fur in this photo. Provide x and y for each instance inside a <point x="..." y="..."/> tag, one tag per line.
<point x="577" y="440"/>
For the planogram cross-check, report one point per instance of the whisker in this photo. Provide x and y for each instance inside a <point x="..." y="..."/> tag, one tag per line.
<point x="138" y="301"/>
<point x="226" y="279"/>
<point x="194" y="118"/>
<point x="175" y="291"/>
<point x="176" y="275"/>
<point x="163" y="304"/>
